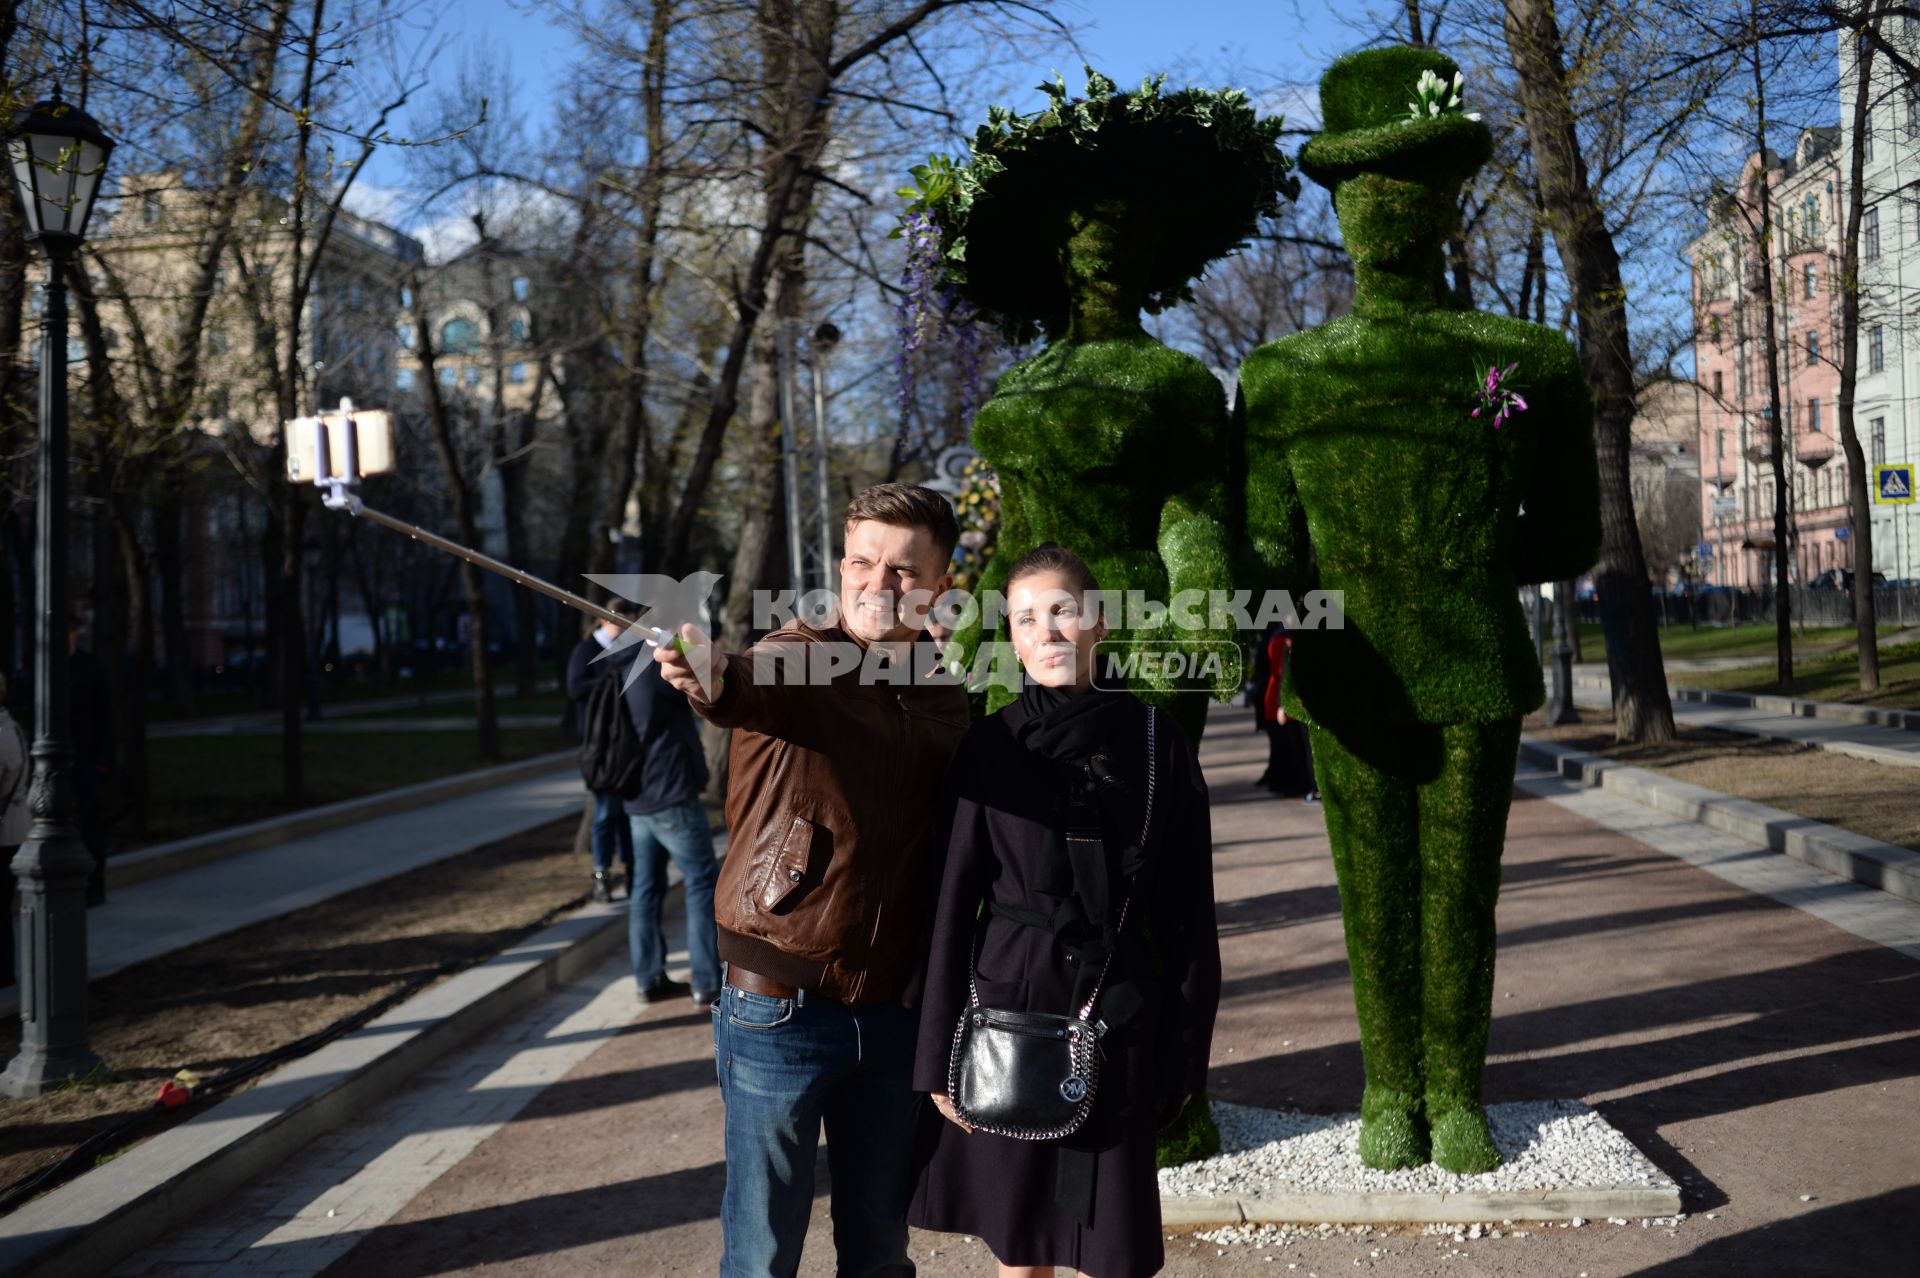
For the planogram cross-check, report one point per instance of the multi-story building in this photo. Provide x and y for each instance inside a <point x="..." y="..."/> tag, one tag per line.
<point x="1736" y="462"/>
<point x="1664" y="477"/>
<point x="1887" y="410"/>
<point x="149" y="248"/>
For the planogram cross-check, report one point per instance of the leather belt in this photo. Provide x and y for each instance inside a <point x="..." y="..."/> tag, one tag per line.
<point x="754" y="983"/>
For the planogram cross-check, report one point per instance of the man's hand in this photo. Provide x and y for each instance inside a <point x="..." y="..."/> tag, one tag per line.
<point x="944" y="1103"/>
<point x="692" y="664"/>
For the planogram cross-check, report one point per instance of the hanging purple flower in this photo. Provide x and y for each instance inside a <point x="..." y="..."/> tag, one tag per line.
<point x="1497" y="397"/>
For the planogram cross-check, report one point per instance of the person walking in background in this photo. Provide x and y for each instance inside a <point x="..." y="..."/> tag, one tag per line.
<point x="16" y="818"/>
<point x="610" y="835"/>
<point x="1289" y="747"/>
<point x="667" y="819"/>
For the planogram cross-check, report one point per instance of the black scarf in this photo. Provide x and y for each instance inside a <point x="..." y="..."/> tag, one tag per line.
<point x="1082" y="734"/>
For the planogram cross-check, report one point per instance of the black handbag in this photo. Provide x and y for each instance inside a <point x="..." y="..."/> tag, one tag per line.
<point x="1031" y="1075"/>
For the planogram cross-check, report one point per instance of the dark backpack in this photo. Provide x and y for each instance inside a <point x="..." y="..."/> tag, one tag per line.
<point x="610" y="754"/>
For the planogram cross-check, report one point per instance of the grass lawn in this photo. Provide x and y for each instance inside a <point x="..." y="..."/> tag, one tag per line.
<point x="1831" y="678"/>
<point x="244" y="701"/>
<point x="1722" y="641"/>
<point x="207" y="783"/>
<point x="549" y="704"/>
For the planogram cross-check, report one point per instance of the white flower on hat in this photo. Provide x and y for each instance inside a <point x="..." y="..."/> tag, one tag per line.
<point x="1437" y="96"/>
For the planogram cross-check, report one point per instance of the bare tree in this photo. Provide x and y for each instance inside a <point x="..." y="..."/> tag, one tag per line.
<point x="1642" y="709"/>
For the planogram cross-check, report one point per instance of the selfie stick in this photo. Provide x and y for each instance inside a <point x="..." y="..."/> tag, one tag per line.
<point x="336" y="493"/>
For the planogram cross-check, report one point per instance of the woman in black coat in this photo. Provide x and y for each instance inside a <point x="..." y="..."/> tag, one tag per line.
<point x="1047" y="802"/>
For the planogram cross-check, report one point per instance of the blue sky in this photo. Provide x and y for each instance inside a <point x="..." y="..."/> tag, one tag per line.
<point x="1260" y="44"/>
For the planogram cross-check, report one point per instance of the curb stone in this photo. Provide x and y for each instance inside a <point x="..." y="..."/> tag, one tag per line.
<point x="88" y="1225"/>
<point x="1792" y="707"/>
<point x="1366" y="1208"/>
<point x="1894" y="870"/>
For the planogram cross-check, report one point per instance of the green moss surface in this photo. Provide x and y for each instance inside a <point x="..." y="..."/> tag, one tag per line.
<point x="1369" y="473"/>
<point x="1115" y="450"/>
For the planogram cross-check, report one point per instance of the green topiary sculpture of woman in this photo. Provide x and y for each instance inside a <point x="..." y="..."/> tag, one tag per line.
<point x="1427" y="460"/>
<point x="1070" y="223"/>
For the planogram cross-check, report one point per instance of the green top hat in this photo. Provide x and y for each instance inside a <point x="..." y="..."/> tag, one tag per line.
<point x="1200" y="166"/>
<point x="1368" y="106"/>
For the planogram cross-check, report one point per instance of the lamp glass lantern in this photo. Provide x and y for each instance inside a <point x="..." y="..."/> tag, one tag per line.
<point x="58" y="153"/>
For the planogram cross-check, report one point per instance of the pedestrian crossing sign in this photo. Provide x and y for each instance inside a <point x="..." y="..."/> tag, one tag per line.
<point x="1893" y="485"/>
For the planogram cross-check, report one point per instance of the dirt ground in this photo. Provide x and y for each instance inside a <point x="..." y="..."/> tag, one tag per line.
<point x="1874" y="799"/>
<point x="212" y="1006"/>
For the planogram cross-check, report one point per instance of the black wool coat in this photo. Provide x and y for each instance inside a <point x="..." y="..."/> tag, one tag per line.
<point x="994" y="833"/>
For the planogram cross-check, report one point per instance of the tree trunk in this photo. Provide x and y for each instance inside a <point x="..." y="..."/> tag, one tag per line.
<point x="169" y="514"/>
<point x="1859" y="514"/>
<point x="460" y="492"/>
<point x="1770" y="350"/>
<point x="1641" y="707"/>
<point x="131" y="780"/>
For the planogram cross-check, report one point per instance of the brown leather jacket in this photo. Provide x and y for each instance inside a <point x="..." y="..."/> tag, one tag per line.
<point x="831" y="791"/>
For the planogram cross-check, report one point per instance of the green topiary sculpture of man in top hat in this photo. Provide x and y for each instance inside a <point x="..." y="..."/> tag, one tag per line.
<point x="1426" y="460"/>
<point x="1068" y="223"/>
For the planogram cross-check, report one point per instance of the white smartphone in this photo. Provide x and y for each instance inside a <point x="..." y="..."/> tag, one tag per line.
<point x="357" y="445"/>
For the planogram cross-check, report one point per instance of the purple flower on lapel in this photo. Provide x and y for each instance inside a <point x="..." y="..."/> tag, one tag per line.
<point x="1497" y="397"/>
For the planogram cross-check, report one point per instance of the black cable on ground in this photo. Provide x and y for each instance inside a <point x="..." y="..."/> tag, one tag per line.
<point x="113" y="1137"/>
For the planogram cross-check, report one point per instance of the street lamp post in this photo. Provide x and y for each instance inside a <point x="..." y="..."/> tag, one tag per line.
<point x="58" y="155"/>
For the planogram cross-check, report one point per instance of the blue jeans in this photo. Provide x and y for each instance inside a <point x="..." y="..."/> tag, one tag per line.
<point x="679" y="832"/>
<point x="788" y="1066"/>
<point x="608" y="835"/>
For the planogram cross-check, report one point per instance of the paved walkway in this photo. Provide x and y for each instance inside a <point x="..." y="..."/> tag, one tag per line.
<point x="1749" y="1022"/>
<point x="1895" y="746"/>
<point x="160" y="915"/>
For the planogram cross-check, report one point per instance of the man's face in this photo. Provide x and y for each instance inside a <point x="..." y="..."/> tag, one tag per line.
<point x="883" y="565"/>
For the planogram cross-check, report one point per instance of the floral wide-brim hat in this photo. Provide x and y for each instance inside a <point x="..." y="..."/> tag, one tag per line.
<point x="1195" y="170"/>
<point x="1396" y="111"/>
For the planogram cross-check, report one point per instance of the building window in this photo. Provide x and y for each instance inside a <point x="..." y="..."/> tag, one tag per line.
<point x="459" y="336"/>
<point x="473" y="374"/>
<point x="150" y="210"/>
<point x="1813" y="348"/>
<point x="1810" y="280"/>
<point x="1813" y="415"/>
<point x="1716" y="383"/>
<point x="1877" y="437"/>
<point x="449" y="375"/>
<point x="519" y="288"/>
<point x="1866" y="139"/>
<point x="1913" y="106"/>
<point x="403" y="335"/>
<point x="1870" y="236"/>
<point x="517" y="330"/>
<point x="1810" y="218"/>
<point x="403" y="379"/>
<point x="217" y="340"/>
<point x="406" y="298"/>
<point x="1876" y="350"/>
<point x="516" y="373"/>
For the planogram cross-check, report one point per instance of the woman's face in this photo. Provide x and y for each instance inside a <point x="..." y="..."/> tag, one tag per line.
<point x="1050" y="636"/>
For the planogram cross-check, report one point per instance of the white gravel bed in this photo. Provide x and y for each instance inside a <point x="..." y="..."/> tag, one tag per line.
<point x="1547" y="1145"/>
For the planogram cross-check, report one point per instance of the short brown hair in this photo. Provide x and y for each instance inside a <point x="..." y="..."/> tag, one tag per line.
<point x="1050" y="556"/>
<point x="908" y="506"/>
